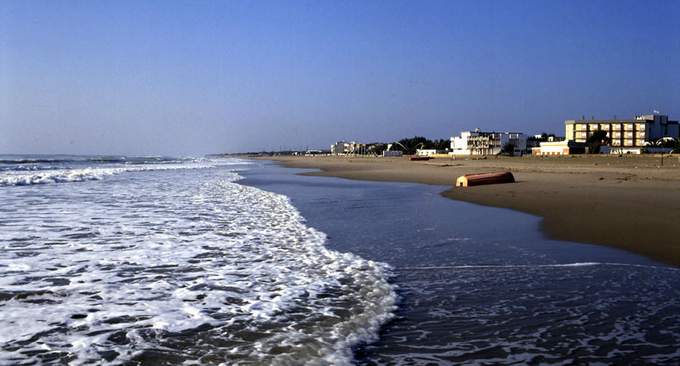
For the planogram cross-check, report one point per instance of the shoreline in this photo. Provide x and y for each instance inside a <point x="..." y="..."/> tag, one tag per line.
<point x="630" y="203"/>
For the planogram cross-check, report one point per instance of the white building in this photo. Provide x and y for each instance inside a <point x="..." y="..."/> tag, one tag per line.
<point x="626" y="135"/>
<point x="429" y="152"/>
<point x="313" y="152"/>
<point x="553" y="148"/>
<point x="339" y="148"/>
<point x="346" y="148"/>
<point x="487" y="143"/>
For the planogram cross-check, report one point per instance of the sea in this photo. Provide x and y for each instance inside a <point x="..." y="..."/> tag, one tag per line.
<point x="219" y="261"/>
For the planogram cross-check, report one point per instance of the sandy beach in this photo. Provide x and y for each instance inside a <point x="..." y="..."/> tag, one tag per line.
<point x="630" y="202"/>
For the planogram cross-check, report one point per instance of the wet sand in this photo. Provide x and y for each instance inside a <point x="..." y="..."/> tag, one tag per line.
<point x="629" y="202"/>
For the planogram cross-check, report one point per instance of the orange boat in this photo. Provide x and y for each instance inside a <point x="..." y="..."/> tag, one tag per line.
<point x="469" y="180"/>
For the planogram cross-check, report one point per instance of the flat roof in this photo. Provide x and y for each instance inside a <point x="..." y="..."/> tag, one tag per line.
<point x="569" y="143"/>
<point x="572" y="121"/>
<point x="575" y="121"/>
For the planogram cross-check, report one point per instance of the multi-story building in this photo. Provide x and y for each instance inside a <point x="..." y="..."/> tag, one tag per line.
<point x="344" y="148"/>
<point x="487" y="143"/>
<point x="339" y="148"/>
<point x="629" y="135"/>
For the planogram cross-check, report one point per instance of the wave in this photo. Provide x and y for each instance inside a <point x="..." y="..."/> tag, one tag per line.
<point x="531" y="266"/>
<point x="26" y="176"/>
<point x="205" y="270"/>
<point x="63" y="159"/>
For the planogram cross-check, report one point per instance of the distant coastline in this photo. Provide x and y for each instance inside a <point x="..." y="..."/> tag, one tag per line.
<point x="630" y="202"/>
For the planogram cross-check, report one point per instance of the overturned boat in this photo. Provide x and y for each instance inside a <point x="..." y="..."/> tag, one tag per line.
<point x="469" y="180"/>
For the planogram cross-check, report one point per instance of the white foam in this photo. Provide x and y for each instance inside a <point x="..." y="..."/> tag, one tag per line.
<point x="152" y="261"/>
<point x="23" y="177"/>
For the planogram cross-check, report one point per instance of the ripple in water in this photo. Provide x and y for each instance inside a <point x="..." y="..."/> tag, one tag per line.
<point x="180" y="268"/>
<point x="576" y="313"/>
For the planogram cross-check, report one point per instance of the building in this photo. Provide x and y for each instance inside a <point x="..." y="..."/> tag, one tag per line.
<point x="340" y="148"/>
<point x="375" y="148"/>
<point x="487" y="143"/>
<point x="553" y="148"/>
<point x="535" y="140"/>
<point x="346" y="148"/>
<point x="392" y="153"/>
<point x="626" y="135"/>
<point x="429" y="152"/>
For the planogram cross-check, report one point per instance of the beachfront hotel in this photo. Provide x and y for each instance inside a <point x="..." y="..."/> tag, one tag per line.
<point x="346" y="148"/>
<point x="627" y="135"/>
<point x="487" y="143"/>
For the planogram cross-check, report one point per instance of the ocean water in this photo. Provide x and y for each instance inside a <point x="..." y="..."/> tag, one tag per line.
<point x="161" y="261"/>
<point x="481" y="286"/>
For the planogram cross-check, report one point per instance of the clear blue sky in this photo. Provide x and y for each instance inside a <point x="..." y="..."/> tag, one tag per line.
<point x="194" y="77"/>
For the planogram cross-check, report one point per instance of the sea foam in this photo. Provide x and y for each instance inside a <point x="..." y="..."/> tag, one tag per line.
<point x="183" y="268"/>
<point x="19" y="176"/>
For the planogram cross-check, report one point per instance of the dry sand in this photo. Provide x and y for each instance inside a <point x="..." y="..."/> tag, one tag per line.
<point x="629" y="202"/>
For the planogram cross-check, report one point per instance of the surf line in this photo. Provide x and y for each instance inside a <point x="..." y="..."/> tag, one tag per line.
<point x="528" y="266"/>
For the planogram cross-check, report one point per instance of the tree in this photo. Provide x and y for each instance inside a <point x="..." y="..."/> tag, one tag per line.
<point x="508" y="148"/>
<point x="410" y="145"/>
<point x="596" y="140"/>
<point x="667" y="142"/>
<point x="441" y="144"/>
<point x="416" y="142"/>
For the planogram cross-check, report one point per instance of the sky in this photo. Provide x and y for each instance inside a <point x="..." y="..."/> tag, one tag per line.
<point x="195" y="77"/>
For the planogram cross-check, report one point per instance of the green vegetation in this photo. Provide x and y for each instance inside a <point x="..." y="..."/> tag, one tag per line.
<point x="508" y="149"/>
<point x="596" y="140"/>
<point x="376" y="148"/>
<point x="410" y="145"/>
<point x="669" y="143"/>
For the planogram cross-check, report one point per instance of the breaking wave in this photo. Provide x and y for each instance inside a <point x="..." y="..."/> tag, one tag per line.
<point x="190" y="268"/>
<point x="23" y="175"/>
